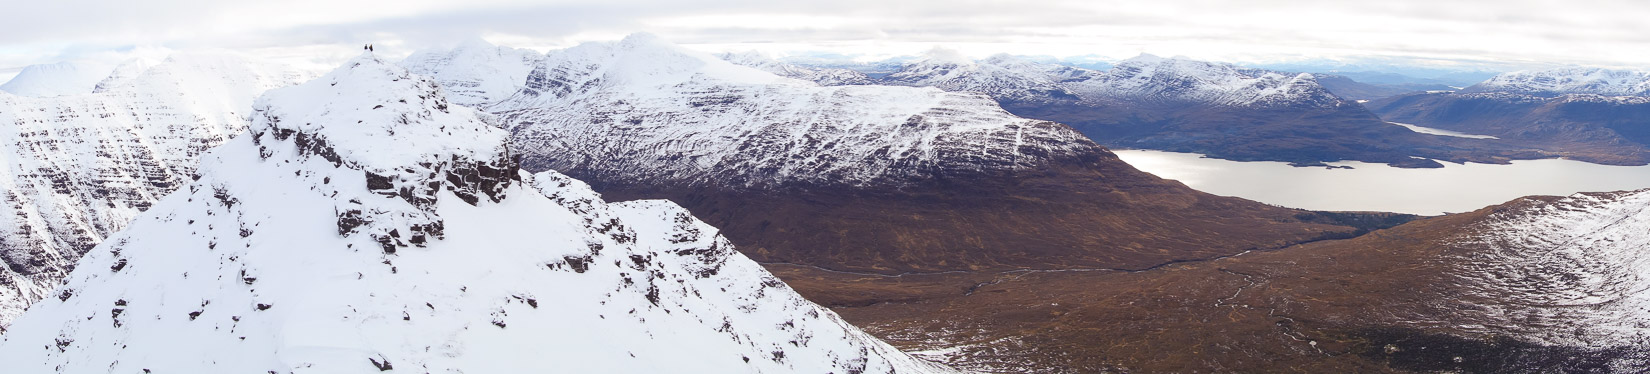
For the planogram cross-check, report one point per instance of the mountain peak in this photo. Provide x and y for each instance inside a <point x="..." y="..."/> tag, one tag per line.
<point x="943" y="55"/>
<point x="399" y="130"/>
<point x="362" y="226"/>
<point x="475" y="73"/>
<point x="475" y="42"/>
<point x="705" y="121"/>
<point x="1145" y="58"/>
<point x="822" y="76"/>
<point x="642" y="38"/>
<point x="750" y="58"/>
<point x="1569" y="80"/>
<point x="640" y="61"/>
<point x="56" y="79"/>
<point x="367" y="103"/>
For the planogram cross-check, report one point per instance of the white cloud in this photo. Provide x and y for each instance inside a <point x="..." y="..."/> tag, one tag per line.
<point x="1499" y="33"/>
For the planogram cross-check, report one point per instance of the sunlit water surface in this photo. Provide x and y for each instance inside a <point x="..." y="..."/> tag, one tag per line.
<point x="1377" y="187"/>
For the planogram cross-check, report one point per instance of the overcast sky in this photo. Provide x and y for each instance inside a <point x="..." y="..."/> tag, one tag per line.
<point x="1502" y="33"/>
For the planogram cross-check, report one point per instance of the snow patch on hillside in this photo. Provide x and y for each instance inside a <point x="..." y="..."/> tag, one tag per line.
<point x="1576" y="268"/>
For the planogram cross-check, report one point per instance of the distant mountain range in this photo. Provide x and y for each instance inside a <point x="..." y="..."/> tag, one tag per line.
<point x="1586" y="114"/>
<point x="475" y="73"/>
<point x="1563" y="81"/>
<point x="1348" y="88"/>
<point x="1219" y="110"/>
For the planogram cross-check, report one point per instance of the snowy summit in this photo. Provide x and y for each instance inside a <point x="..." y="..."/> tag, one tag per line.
<point x="647" y="111"/>
<point x="365" y="224"/>
<point x="1570" y="80"/>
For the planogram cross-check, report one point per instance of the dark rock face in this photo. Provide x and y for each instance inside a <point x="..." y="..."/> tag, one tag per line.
<point x="470" y="180"/>
<point x="1592" y="128"/>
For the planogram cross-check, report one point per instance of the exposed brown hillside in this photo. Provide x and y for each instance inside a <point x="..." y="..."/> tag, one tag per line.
<point x="1095" y="212"/>
<point x="1391" y="301"/>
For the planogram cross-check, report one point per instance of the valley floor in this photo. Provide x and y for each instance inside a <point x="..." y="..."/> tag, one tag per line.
<point x="1382" y="302"/>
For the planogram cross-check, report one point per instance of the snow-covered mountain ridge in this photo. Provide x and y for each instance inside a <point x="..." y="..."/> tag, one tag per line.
<point x="1001" y="77"/>
<point x="475" y="73"/>
<point x="56" y="79"/>
<point x="822" y="76"/>
<point x="681" y="116"/>
<point x="79" y="167"/>
<point x="1141" y="80"/>
<point x="1150" y="78"/>
<point x="263" y="263"/>
<point x="1572" y="80"/>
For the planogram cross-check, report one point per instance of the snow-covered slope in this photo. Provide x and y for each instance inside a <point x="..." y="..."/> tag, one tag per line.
<point x="1573" y="270"/>
<point x="822" y="76"/>
<point x="1141" y="80"/>
<point x="475" y="73"/>
<point x="56" y="79"/>
<point x="78" y="168"/>
<point x="366" y="225"/>
<point x="649" y="112"/>
<point x="124" y="73"/>
<point x="1150" y="78"/>
<point x="1572" y="80"/>
<point x="1003" y="77"/>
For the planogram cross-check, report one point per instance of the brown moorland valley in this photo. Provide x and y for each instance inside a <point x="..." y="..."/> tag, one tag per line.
<point x="1395" y="300"/>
